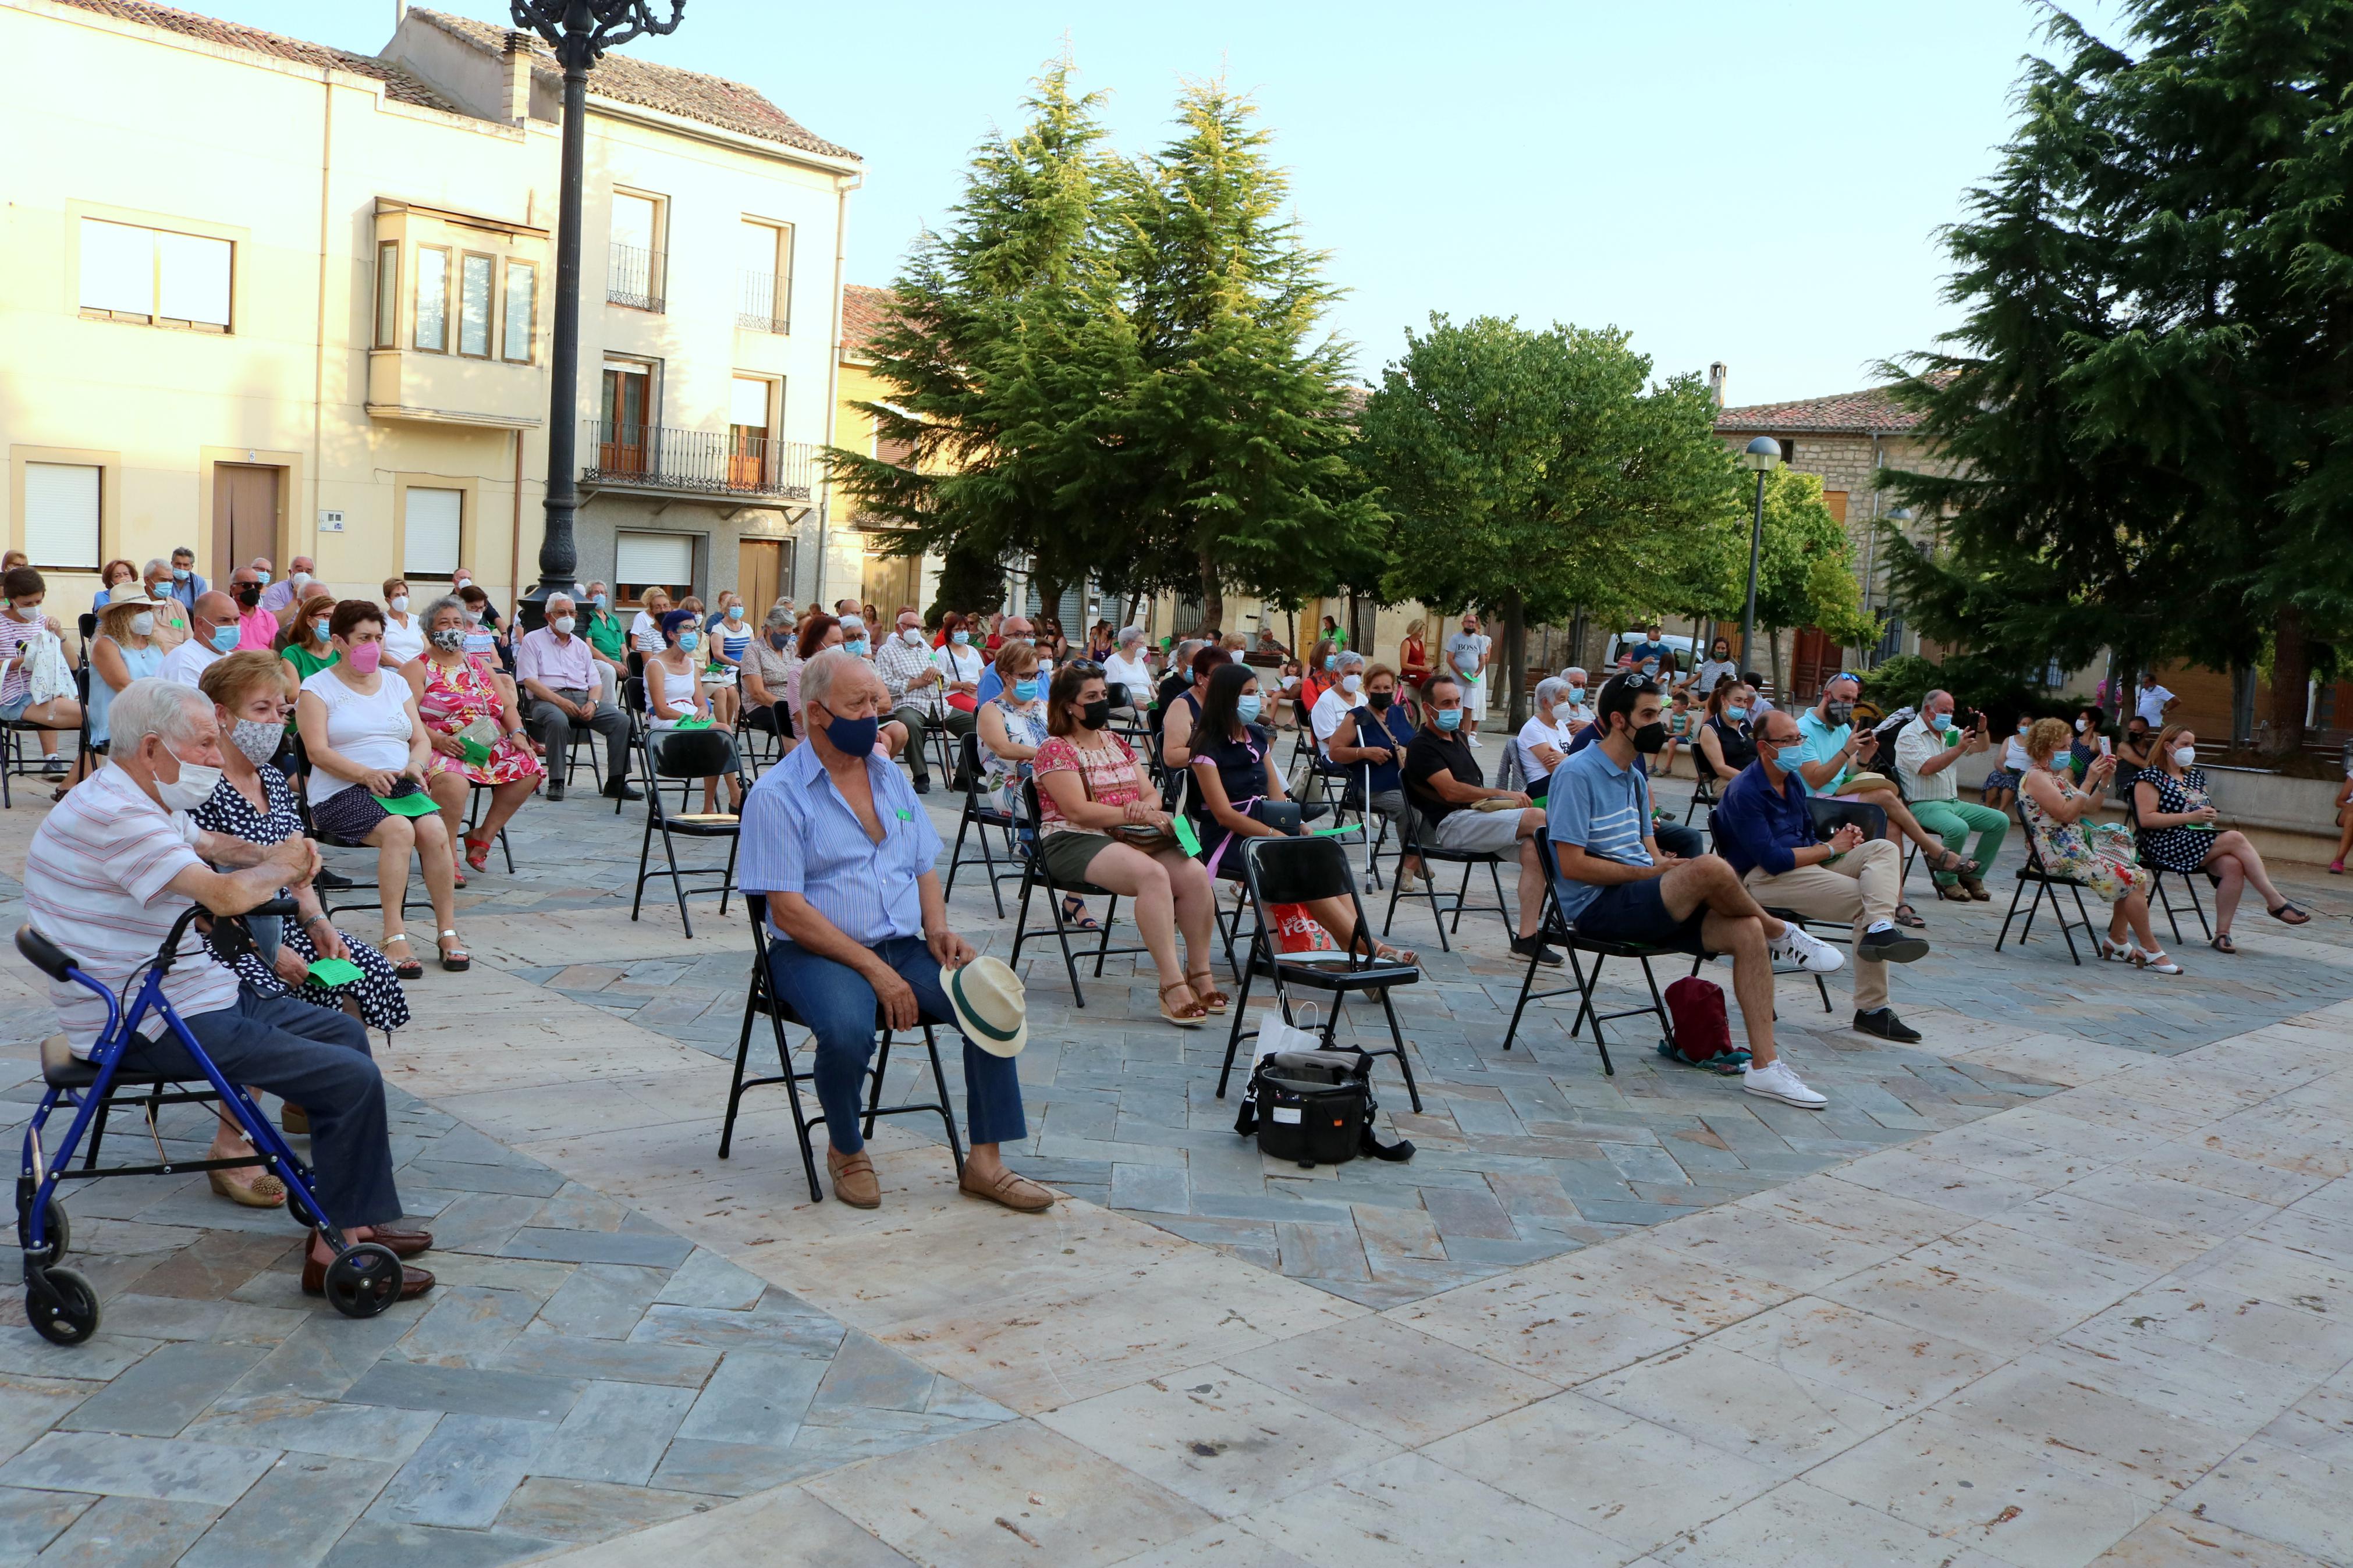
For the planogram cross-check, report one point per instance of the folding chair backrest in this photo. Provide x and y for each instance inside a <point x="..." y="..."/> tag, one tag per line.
<point x="1297" y="870"/>
<point x="633" y="694"/>
<point x="690" y="754"/>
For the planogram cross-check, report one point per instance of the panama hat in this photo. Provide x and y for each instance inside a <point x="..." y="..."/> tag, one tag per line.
<point x="990" y="1006"/>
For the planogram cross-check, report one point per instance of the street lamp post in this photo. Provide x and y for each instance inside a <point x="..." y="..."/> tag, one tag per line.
<point x="580" y="31"/>
<point x="1764" y="455"/>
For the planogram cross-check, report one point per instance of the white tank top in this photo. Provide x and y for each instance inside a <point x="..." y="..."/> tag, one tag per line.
<point x="370" y="729"/>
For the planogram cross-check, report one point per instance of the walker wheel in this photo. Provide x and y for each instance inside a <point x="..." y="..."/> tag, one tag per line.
<point x="61" y="1307"/>
<point x="61" y="1233"/>
<point x="363" y="1280"/>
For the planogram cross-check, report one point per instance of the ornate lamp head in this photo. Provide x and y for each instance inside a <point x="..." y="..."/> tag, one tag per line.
<point x="582" y="30"/>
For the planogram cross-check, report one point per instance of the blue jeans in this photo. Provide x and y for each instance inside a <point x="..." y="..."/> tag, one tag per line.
<point x="839" y="1008"/>
<point x="317" y="1060"/>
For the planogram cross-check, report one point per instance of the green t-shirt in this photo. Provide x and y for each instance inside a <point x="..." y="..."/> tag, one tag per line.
<point x="308" y="664"/>
<point x="607" y="635"/>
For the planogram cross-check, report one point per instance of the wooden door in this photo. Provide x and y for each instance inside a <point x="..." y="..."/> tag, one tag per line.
<point x="759" y="574"/>
<point x="892" y="581"/>
<point x="245" y="518"/>
<point x="1813" y="660"/>
<point x="621" y="444"/>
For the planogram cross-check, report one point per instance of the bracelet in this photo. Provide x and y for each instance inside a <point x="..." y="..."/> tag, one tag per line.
<point x="317" y="921"/>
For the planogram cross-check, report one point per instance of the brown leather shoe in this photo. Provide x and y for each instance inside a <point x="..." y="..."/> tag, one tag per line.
<point x="405" y="1240"/>
<point x="414" y="1282"/>
<point x="854" y="1180"/>
<point x="1014" y="1192"/>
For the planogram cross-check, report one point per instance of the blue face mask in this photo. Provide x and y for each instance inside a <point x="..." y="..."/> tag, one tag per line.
<point x="1735" y="714"/>
<point x="962" y="639"/>
<point x="604" y="601"/>
<point x="857" y="647"/>
<point x="686" y="641"/>
<point x="853" y="736"/>
<point x="265" y="579"/>
<point x="1448" y="718"/>
<point x="1331" y="663"/>
<point x="179" y="574"/>
<point x="1249" y="707"/>
<point x="225" y="639"/>
<point x="1026" y="689"/>
<point x="734" y="612"/>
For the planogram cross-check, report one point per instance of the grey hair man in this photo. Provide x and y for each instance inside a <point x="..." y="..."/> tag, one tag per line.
<point x="916" y="685"/>
<point x="557" y="668"/>
<point x="1346" y="692"/>
<point x="114" y="867"/>
<point x="1015" y="627"/>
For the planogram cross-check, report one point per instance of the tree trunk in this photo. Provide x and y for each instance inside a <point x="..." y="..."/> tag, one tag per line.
<point x="1050" y="599"/>
<point x="1516" y="660"/>
<point x="1773" y="650"/>
<point x="1213" y="596"/>
<point x="2291" y="670"/>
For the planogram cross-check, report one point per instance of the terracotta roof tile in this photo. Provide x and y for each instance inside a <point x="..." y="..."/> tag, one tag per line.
<point x="625" y="79"/>
<point x="1874" y="408"/>
<point x="863" y="312"/>
<point x="399" y="85"/>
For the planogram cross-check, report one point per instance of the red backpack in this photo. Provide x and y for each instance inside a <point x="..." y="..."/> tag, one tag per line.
<point x="1703" y="1030"/>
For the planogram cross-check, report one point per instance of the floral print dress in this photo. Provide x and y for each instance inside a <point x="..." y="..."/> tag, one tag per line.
<point x="456" y="698"/>
<point x="2100" y="855"/>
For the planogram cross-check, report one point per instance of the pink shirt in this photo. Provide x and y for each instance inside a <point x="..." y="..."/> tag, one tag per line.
<point x="256" y="628"/>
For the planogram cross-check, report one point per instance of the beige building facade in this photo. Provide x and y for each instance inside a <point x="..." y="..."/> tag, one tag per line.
<point x="273" y="298"/>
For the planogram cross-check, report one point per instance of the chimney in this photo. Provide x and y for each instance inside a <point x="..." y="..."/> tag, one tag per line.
<point x="518" y="63"/>
<point x="1716" y="374"/>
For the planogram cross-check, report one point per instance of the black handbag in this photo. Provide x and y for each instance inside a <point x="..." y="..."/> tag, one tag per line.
<point x="1284" y="816"/>
<point x="1314" y="1108"/>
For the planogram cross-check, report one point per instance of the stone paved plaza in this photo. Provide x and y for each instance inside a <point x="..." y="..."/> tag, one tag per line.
<point x="2070" y="1280"/>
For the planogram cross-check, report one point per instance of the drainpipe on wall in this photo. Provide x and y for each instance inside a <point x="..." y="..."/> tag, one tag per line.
<point x="842" y="185"/>
<point x="306" y="540"/>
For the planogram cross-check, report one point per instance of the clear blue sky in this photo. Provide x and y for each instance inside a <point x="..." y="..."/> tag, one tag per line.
<point x="1755" y="181"/>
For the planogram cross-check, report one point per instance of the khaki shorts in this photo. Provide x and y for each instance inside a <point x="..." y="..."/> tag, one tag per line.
<point x="1478" y="832"/>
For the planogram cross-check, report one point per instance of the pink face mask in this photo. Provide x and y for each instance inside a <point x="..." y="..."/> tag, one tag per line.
<point x="366" y="656"/>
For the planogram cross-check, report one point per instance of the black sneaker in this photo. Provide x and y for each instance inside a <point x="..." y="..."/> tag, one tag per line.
<point x="331" y="880"/>
<point x="554" y="789"/>
<point x="1894" y="945"/>
<point x="1882" y="1022"/>
<point x="1533" y="947"/>
<point x="923" y="786"/>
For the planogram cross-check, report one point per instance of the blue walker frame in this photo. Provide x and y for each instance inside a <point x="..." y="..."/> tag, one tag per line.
<point x="364" y="1278"/>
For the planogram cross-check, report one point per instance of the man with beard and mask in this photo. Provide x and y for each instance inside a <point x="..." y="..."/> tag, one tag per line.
<point x="1767" y="828"/>
<point x="1684" y="843"/>
<point x="110" y="871"/>
<point x="1616" y="883"/>
<point x="1834" y="752"/>
<point x="1444" y="782"/>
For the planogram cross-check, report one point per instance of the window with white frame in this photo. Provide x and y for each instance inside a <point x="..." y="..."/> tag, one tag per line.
<point x="432" y="298"/>
<point x="387" y="294"/>
<point x="61" y="515"/>
<point x="523" y="312"/>
<point x="433" y="532"/>
<point x="644" y="561"/>
<point x="765" y="295"/>
<point x="476" y="277"/>
<point x="132" y="273"/>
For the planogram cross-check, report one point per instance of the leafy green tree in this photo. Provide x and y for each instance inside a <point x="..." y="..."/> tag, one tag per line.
<point x="2148" y="399"/>
<point x="1530" y="471"/>
<point x="1239" y="433"/>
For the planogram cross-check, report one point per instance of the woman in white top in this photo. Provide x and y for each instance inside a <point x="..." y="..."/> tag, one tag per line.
<point x="360" y="728"/>
<point x="2001" y="784"/>
<point x="674" y="692"/>
<point x="1543" y="742"/>
<point x="959" y="664"/>
<point x="404" y="635"/>
<point x="1717" y="666"/>
<point x="1126" y="668"/>
<point x="645" y="632"/>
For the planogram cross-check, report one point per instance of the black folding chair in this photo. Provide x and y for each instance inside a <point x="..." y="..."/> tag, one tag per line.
<point x="633" y="703"/>
<point x="687" y="755"/>
<point x="988" y="819"/>
<point x="1282" y="871"/>
<point x="332" y="900"/>
<point x="1414" y="843"/>
<point x="12" y="763"/>
<point x="1555" y="929"/>
<point x="761" y="1000"/>
<point x="1703" y="792"/>
<point x="1035" y="873"/>
<point x="2165" y="898"/>
<point x="2044" y="880"/>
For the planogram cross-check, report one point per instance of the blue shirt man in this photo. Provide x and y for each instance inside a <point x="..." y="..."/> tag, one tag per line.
<point x="1832" y="749"/>
<point x="1015" y="628"/>
<point x="837" y="842"/>
<point x="1604" y="809"/>
<point x="187" y="584"/>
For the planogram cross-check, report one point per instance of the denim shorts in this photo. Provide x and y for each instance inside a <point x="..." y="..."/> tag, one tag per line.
<point x="14" y="708"/>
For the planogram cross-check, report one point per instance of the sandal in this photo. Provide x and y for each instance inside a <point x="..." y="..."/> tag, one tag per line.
<point x="2288" y="915"/>
<point x="2223" y="942"/>
<point x="259" y="1191"/>
<point x="1188" y="1013"/>
<point x="458" y="964"/>
<point x="1953" y="862"/>
<point x="1075" y="914"/>
<point x="1389" y="955"/>
<point x="1905" y="915"/>
<point x="478" y="852"/>
<point x="2155" y="961"/>
<point x="456" y="869"/>
<point x="402" y="968"/>
<point x="1205" y="988"/>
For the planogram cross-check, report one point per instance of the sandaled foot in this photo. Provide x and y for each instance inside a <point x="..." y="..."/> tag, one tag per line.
<point x="1389" y="955"/>
<point x="1187" y="1012"/>
<point x="478" y="853"/>
<point x="1948" y="860"/>
<point x="248" y="1186"/>
<point x="454" y="956"/>
<point x="404" y="963"/>
<point x="854" y="1180"/>
<point x="1205" y="988"/>
<point x="1074" y="913"/>
<point x="2223" y="942"/>
<point x="1002" y="1186"/>
<point x="1905" y="915"/>
<point x="2288" y="914"/>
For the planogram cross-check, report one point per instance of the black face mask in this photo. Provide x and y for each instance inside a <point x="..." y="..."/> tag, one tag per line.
<point x="248" y="593"/>
<point x="1381" y="701"/>
<point x="1838" y="712"/>
<point x="1650" y="739"/>
<point x="1096" y="714"/>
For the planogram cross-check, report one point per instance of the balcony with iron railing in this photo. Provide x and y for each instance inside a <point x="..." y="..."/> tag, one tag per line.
<point x="764" y="303"/>
<point x="719" y="464"/>
<point x="637" y="277"/>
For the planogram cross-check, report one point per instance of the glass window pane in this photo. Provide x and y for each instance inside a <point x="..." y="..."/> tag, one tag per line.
<point x="118" y="267"/>
<point x="474" y="306"/>
<point x="433" y="532"/>
<point x="522" y="282"/>
<point x="432" y="298"/>
<point x="195" y="277"/>
<point x="387" y="294"/>
<point x="633" y="221"/>
<point x="747" y="403"/>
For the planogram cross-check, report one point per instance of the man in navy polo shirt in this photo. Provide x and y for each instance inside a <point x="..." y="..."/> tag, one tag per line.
<point x="1614" y="883"/>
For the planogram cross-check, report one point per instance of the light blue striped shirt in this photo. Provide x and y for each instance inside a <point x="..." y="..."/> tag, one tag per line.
<point x="800" y="837"/>
<point x="1603" y="809"/>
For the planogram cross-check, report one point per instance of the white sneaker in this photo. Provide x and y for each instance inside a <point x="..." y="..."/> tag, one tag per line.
<point x="1777" y="1082"/>
<point x="1474" y="740"/>
<point x="1808" y="953"/>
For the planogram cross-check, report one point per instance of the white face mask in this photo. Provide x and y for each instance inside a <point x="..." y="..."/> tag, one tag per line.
<point x="2185" y="756"/>
<point x="192" y="788"/>
<point x="1352" y="684"/>
<point x="142" y="625"/>
<point x="2083" y="726"/>
<point x="563" y="625"/>
<point x="400" y="604"/>
<point x="912" y="636"/>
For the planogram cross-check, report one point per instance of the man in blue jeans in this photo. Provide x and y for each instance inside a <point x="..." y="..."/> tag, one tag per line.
<point x="835" y="840"/>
